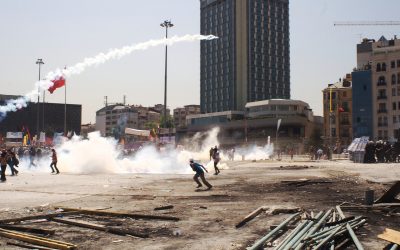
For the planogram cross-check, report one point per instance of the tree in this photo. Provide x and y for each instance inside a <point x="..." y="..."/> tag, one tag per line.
<point x="167" y="123"/>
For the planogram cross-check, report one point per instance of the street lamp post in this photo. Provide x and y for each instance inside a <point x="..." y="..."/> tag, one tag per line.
<point x="166" y="24"/>
<point x="39" y="62"/>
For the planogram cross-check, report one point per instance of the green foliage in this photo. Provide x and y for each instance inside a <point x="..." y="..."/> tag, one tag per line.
<point x="167" y="123"/>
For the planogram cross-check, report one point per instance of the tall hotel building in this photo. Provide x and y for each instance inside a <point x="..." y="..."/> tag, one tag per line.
<point x="250" y="61"/>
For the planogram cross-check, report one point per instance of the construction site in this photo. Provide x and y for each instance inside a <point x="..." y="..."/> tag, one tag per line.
<point x="287" y="204"/>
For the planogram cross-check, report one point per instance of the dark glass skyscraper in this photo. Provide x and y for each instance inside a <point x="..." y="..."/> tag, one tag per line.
<point x="250" y="61"/>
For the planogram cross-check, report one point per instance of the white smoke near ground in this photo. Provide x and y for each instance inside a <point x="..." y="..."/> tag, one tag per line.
<point x="254" y="152"/>
<point x="101" y="58"/>
<point x="98" y="154"/>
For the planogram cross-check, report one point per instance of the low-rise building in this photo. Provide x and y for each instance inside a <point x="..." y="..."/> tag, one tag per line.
<point x="258" y="122"/>
<point x="113" y="119"/>
<point x="180" y="114"/>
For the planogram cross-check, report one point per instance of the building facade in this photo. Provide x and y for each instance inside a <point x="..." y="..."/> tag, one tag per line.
<point x="338" y="105"/>
<point x="181" y="113"/>
<point x="112" y="120"/>
<point x="382" y="58"/>
<point x="251" y="60"/>
<point x="258" y="122"/>
<point x="51" y="118"/>
<point x="362" y="103"/>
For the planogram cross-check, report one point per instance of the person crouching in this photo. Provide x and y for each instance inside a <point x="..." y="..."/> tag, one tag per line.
<point x="199" y="169"/>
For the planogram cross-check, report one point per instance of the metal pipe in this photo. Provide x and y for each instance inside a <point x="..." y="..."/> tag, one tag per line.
<point x="332" y="245"/>
<point x="291" y="235"/>
<point x="355" y="220"/>
<point x="354" y="237"/>
<point x="267" y="237"/>
<point x="394" y="247"/>
<point x="330" y="236"/>
<point x="322" y="236"/>
<point x="314" y="229"/>
<point x="301" y="234"/>
<point x="351" y="232"/>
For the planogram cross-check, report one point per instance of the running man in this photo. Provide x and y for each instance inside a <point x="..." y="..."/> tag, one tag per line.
<point x="216" y="159"/>
<point x="199" y="169"/>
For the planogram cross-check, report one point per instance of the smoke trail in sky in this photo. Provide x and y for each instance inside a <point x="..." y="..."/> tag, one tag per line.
<point x="14" y="105"/>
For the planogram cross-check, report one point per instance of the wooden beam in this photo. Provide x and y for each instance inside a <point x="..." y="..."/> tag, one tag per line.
<point x="27" y="246"/>
<point x="98" y="227"/>
<point x="390" y="235"/>
<point x="37" y="217"/>
<point x="122" y="214"/>
<point x="251" y="216"/>
<point x="390" y="195"/>
<point x="40" y="241"/>
<point x="29" y="229"/>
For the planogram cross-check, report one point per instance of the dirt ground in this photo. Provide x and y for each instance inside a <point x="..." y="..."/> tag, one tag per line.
<point x="207" y="218"/>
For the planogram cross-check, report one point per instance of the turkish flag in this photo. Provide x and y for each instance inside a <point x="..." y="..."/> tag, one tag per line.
<point x="341" y="109"/>
<point x="58" y="83"/>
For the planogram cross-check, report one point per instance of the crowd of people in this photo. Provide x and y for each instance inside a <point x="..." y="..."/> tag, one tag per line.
<point x="382" y="152"/>
<point x="11" y="157"/>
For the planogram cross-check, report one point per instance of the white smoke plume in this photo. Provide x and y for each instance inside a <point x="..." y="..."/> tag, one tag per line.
<point x="101" y="58"/>
<point x="102" y="155"/>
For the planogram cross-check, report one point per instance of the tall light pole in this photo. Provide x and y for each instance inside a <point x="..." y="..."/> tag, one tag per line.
<point x="39" y="62"/>
<point x="166" y="24"/>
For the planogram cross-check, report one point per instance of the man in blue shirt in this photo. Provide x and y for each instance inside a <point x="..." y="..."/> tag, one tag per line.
<point x="199" y="169"/>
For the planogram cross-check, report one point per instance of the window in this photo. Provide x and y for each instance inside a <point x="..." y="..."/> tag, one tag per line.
<point x="393" y="79"/>
<point x="393" y="91"/>
<point x="378" y="67"/>
<point x="393" y="64"/>
<point x="394" y="106"/>
<point x="381" y="80"/>
<point x="382" y="106"/>
<point x="383" y="66"/>
<point x="398" y="63"/>
<point x="398" y="78"/>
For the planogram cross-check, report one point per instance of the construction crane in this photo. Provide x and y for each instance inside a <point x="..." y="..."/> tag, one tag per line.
<point x="367" y="23"/>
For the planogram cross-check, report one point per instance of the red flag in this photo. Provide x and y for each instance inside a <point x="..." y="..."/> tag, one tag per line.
<point x="341" y="109"/>
<point x="58" y="83"/>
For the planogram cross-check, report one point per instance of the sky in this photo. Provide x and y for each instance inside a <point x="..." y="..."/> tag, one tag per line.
<point x="65" y="32"/>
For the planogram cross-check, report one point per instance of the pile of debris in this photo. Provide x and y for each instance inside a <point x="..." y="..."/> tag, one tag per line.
<point x="9" y="228"/>
<point x="387" y="203"/>
<point x="327" y="229"/>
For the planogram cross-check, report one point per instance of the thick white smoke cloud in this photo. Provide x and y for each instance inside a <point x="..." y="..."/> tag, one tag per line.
<point x="102" y="155"/>
<point x="40" y="86"/>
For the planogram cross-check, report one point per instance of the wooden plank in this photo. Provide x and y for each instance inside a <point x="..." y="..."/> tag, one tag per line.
<point x="122" y="214"/>
<point x="28" y="246"/>
<point x="251" y="216"/>
<point x="29" y="229"/>
<point x="37" y="217"/>
<point x="390" y="195"/>
<point x="98" y="227"/>
<point x="390" y="235"/>
<point x="40" y="241"/>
